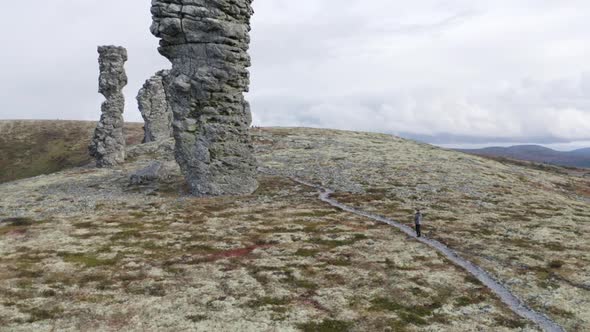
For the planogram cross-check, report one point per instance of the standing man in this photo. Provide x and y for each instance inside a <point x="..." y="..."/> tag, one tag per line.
<point x="418" y="222"/>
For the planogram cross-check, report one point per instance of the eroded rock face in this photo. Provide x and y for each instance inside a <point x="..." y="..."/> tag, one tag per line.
<point x="108" y="144"/>
<point x="207" y="42"/>
<point x="154" y="108"/>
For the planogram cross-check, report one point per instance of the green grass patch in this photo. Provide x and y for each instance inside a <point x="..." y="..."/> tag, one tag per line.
<point x="87" y="260"/>
<point x="328" y="325"/>
<point x="18" y="222"/>
<point x="17" y="225"/>
<point x="306" y="252"/>
<point x="412" y="318"/>
<point x="385" y="304"/>
<point x="126" y="235"/>
<point x="409" y="314"/>
<point x="556" y="264"/>
<point x="464" y="301"/>
<point x="40" y="314"/>
<point x="339" y="262"/>
<point x="472" y="280"/>
<point x="139" y="214"/>
<point x="338" y="243"/>
<point x="314" y="214"/>
<point x="510" y="323"/>
<point x="555" y="246"/>
<point x="300" y="283"/>
<point x="85" y="225"/>
<point x="268" y="301"/>
<point x="196" y="318"/>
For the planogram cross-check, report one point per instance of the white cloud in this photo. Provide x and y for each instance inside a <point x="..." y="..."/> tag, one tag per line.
<point x="492" y="69"/>
<point x="485" y="69"/>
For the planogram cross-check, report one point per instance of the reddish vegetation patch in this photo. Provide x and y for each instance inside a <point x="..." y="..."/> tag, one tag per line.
<point x="584" y="190"/>
<point x="18" y="232"/>
<point x="308" y="301"/>
<point x="581" y="188"/>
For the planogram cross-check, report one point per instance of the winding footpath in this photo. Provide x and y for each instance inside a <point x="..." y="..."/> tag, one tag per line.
<point x="513" y="302"/>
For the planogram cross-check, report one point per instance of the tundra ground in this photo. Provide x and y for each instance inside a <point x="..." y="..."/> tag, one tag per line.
<point x="81" y="249"/>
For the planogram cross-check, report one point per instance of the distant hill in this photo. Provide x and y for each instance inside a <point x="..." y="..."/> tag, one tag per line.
<point x="582" y="152"/>
<point x="535" y="153"/>
<point x="36" y="147"/>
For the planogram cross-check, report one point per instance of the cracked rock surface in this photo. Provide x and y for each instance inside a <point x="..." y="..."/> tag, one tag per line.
<point x="207" y="43"/>
<point x="154" y="108"/>
<point x="108" y="144"/>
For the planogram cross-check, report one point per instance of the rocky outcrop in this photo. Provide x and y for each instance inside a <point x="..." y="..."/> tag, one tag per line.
<point x="154" y="108"/>
<point x="162" y="150"/>
<point x="156" y="172"/>
<point x="207" y="42"/>
<point x="108" y="144"/>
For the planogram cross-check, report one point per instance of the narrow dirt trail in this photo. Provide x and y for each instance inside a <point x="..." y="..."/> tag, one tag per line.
<point x="513" y="302"/>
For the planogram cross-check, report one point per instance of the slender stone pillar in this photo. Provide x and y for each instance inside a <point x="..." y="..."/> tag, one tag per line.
<point x="154" y="108"/>
<point x="108" y="144"/>
<point x="207" y="42"/>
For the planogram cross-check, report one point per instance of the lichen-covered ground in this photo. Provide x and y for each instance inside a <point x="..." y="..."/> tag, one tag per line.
<point x="81" y="250"/>
<point x="529" y="227"/>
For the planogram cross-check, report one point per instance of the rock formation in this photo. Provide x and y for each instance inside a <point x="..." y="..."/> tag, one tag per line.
<point x="159" y="150"/>
<point x="108" y="144"/>
<point x="207" y="42"/>
<point x="154" y="173"/>
<point x="154" y="108"/>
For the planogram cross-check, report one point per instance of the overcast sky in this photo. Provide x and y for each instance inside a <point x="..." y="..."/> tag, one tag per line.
<point x="445" y="71"/>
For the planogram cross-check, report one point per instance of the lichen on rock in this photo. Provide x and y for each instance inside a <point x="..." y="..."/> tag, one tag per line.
<point x="108" y="144"/>
<point x="207" y="43"/>
<point x="155" y="109"/>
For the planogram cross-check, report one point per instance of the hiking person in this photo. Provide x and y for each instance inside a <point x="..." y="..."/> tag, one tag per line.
<point x="418" y="222"/>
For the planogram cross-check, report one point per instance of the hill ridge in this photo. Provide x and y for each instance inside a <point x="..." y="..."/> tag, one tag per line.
<point x="537" y="153"/>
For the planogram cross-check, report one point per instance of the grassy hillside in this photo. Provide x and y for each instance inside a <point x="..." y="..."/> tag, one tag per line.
<point x="83" y="250"/>
<point x="31" y="148"/>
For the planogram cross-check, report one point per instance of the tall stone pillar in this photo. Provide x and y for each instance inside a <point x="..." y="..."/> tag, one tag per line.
<point x="154" y="108"/>
<point x="207" y="42"/>
<point x="108" y="144"/>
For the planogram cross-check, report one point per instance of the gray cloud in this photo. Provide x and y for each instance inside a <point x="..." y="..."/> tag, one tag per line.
<point x="446" y="71"/>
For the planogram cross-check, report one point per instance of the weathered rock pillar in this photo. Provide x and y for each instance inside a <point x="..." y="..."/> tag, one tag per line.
<point x="108" y="144"/>
<point x="207" y="42"/>
<point x="154" y="108"/>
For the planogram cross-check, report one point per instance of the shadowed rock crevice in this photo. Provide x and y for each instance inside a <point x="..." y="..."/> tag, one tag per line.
<point x="108" y="144"/>
<point x="207" y="43"/>
<point x="154" y="108"/>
